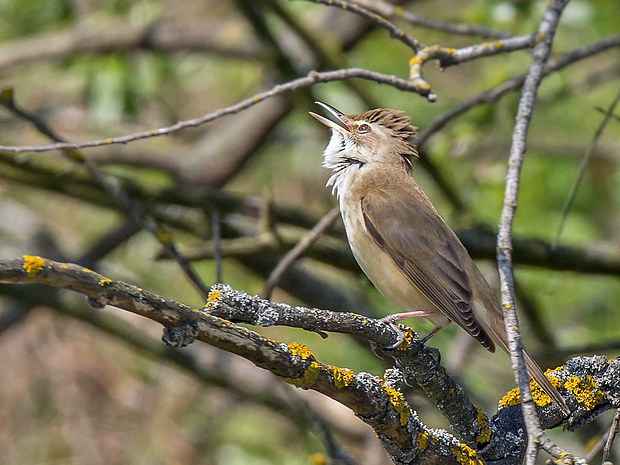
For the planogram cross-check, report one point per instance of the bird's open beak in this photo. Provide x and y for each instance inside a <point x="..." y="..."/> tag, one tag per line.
<point x="342" y="128"/>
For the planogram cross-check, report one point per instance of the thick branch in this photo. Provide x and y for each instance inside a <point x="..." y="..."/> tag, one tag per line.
<point x="594" y="382"/>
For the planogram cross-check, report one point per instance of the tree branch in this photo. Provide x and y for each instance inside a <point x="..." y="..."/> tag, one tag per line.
<point x="378" y="401"/>
<point x="544" y="37"/>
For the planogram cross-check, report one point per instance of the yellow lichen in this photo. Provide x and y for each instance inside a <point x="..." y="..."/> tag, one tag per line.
<point x="511" y="398"/>
<point x="308" y="379"/>
<point x="104" y="281"/>
<point x="342" y="377"/>
<point x="212" y="297"/>
<point x="300" y="350"/>
<point x="539" y="396"/>
<point x="421" y="439"/>
<point x="408" y="336"/>
<point x="32" y="265"/>
<point x="483" y="423"/>
<point x="465" y="455"/>
<point x="311" y="375"/>
<point x="585" y="391"/>
<point x="539" y="37"/>
<point x="398" y="402"/>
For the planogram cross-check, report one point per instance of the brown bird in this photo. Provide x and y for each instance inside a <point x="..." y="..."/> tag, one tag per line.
<point x="400" y="240"/>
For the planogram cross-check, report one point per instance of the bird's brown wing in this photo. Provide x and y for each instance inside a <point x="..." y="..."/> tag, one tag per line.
<point x="427" y="251"/>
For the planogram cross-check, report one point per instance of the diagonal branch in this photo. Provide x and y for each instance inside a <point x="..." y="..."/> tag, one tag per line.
<point x="388" y="10"/>
<point x="312" y="78"/>
<point x="298" y="250"/>
<point x="584" y="163"/>
<point x="495" y="93"/>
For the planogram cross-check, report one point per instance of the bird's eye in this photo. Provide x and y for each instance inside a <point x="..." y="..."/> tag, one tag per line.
<point x="364" y="128"/>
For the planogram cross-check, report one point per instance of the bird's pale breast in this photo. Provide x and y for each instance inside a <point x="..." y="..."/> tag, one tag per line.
<point x="379" y="266"/>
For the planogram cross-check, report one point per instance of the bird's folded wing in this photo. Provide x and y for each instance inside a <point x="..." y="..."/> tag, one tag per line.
<point x="427" y="251"/>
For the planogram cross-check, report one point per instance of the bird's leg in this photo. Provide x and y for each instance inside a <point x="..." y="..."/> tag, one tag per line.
<point x="391" y="319"/>
<point x="403" y="316"/>
<point x="430" y="334"/>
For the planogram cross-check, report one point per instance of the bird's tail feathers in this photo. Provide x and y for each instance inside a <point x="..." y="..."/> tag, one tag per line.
<point x="537" y="374"/>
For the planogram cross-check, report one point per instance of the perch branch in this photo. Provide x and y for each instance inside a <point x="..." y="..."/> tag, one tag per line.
<point x="378" y="401"/>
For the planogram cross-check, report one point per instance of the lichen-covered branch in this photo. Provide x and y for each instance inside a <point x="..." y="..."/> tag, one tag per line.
<point x="377" y="401"/>
<point x="592" y="384"/>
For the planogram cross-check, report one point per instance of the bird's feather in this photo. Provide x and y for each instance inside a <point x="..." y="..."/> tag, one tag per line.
<point x="434" y="267"/>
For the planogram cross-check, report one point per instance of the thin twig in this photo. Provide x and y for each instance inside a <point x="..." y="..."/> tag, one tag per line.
<point x="388" y="10"/>
<point x="584" y="165"/>
<point x="312" y="78"/>
<point x="495" y="93"/>
<point x="604" y="112"/>
<point x="293" y="255"/>
<point x="423" y="54"/>
<point x="596" y="449"/>
<point x="392" y="28"/>
<point x="324" y="77"/>
<point x="613" y="430"/>
<point x="546" y="32"/>
<point x="321" y="428"/>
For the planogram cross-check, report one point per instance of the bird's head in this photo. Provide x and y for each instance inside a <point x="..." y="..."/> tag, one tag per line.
<point x="374" y="137"/>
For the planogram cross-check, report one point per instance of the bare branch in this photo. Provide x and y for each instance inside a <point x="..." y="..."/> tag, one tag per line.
<point x="609" y="113"/>
<point x="613" y="431"/>
<point x="542" y="49"/>
<point x="113" y="36"/>
<point x="296" y="252"/>
<point x="394" y="30"/>
<point x="388" y="10"/>
<point x="515" y="83"/>
<point x="312" y="78"/>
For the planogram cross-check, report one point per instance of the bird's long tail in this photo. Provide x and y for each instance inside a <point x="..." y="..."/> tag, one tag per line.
<point x="537" y="374"/>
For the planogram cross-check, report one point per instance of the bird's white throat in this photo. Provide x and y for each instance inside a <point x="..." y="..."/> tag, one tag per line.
<point x="337" y="157"/>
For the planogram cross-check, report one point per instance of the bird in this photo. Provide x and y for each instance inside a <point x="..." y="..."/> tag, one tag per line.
<point x="400" y="240"/>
